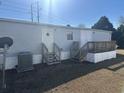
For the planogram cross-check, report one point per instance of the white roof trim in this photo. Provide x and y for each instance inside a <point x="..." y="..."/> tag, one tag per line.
<point x="43" y="24"/>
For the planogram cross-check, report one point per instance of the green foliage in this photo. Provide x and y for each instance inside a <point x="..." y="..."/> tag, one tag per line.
<point x="121" y="28"/>
<point x="103" y="24"/>
<point x="118" y="36"/>
<point x="121" y="20"/>
<point x="120" y="42"/>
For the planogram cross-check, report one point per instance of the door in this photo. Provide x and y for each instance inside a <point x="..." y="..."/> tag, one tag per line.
<point x="48" y="38"/>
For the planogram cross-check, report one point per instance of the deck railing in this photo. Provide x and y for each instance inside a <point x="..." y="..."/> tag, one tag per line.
<point x="83" y="51"/>
<point x="97" y="47"/>
<point x="44" y="53"/>
<point x="93" y="47"/>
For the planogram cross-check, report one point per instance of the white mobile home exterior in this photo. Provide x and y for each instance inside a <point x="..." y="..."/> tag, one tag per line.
<point x="28" y="36"/>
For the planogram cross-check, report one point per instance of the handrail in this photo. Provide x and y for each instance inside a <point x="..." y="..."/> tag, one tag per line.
<point x="57" y="50"/>
<point x="83" y="51"/>
<point x="44" y="48"/>
<point x="44" y="52"/>
<point x="51" y="57"/>
<point x="74" y="49"/>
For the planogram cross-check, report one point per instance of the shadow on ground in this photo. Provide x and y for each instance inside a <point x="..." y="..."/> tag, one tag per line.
<point x="44" y="78"/>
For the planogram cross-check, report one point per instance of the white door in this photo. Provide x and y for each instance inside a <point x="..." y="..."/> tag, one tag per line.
<point x="48" y="38"/>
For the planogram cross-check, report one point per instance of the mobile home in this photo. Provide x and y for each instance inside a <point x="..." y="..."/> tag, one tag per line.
<point x="28" y="36"/>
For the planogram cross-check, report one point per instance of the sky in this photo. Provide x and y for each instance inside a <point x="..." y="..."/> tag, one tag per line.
<point x="63" y="12"/>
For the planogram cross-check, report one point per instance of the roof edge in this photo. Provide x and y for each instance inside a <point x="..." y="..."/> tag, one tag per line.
<point x="45" y="24"/>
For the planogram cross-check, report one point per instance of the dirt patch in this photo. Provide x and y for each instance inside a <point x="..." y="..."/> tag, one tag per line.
<point x="120" y="51"/>
<point x="101" y="81"/>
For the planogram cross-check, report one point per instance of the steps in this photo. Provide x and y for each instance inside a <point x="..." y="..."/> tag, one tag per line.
<point x="78" y="54"/>
<point x="53" y="57"/>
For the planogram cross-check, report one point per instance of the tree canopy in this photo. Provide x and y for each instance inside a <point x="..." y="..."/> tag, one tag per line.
<point x="121" y="28"/>
<point x="121" y="20"/>
<point x="104" y="24"/>
<point x="118" y="36"/>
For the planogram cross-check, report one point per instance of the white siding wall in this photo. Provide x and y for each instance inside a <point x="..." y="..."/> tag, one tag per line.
<point x="85" y="36"/>
<point x="94" y="36"/>
<point x="101" y="36"/>
<point x="61" y="38"/>
<point x="26" y="37"/>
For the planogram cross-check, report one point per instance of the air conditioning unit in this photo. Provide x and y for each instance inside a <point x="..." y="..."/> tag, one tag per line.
<point x="25" y="62"/>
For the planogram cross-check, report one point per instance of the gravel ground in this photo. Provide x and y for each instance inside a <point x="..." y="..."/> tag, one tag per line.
<point x="101" y="81"/>
<point x="69" y="77"/>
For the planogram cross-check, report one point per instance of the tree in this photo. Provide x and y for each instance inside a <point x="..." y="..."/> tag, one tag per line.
<point x="118" y="36"/>
<point x="104" y="24"/>
<point x="121" y="20"/>
<point x="120" y="42"/>
<point x="121" y="28"/>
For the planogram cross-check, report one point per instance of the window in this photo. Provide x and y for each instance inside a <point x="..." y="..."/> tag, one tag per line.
<point x="70" y="36"/>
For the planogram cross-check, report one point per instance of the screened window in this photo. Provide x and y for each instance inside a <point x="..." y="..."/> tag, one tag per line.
<point x="70" y="36"/>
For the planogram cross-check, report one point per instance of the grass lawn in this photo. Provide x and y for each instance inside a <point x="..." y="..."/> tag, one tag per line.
<point x="70" y="77"/>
